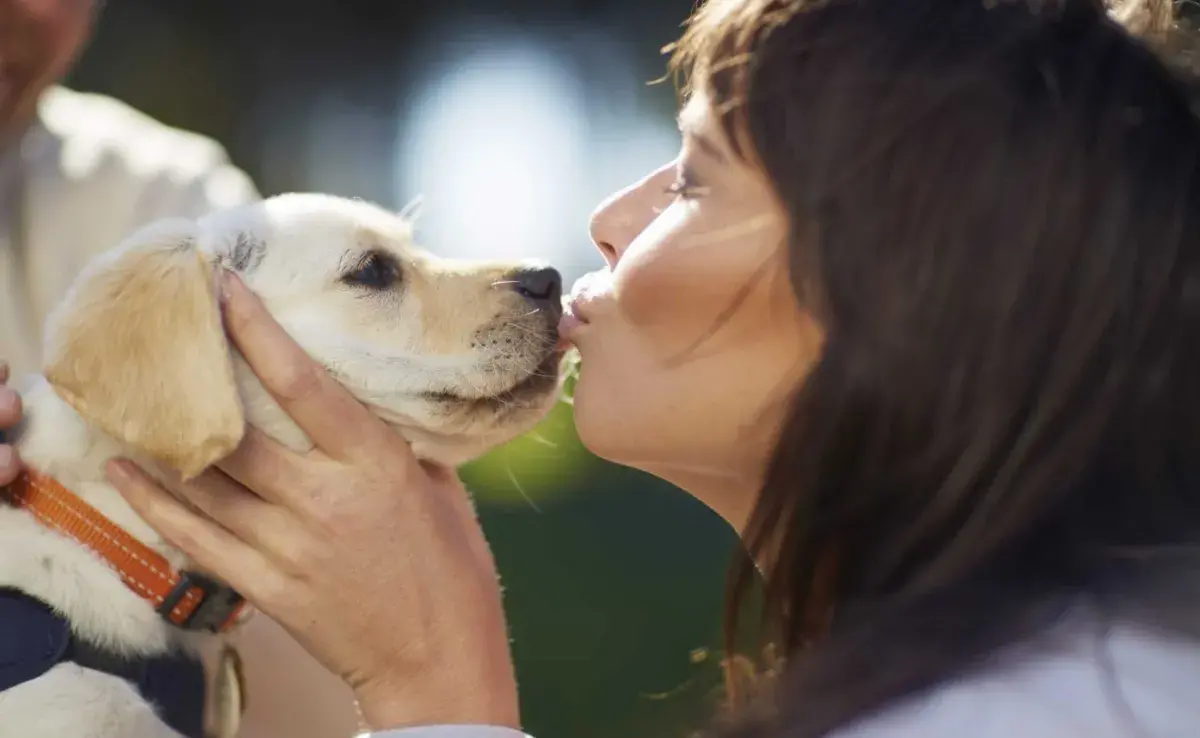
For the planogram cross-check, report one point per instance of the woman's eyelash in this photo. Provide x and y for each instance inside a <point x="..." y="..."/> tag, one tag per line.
<point x="683" y="188"/>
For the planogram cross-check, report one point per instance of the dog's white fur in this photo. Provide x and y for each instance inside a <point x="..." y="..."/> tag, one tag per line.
<point x="138" y="366"/>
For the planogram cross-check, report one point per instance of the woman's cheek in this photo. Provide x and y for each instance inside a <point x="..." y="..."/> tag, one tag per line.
<point x="652" y="289"/>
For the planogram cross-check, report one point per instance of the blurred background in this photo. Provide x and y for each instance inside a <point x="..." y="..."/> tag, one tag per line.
<point x="513" y="118"/>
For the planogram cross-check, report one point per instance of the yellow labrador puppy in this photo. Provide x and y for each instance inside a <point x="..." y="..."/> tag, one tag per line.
<point x="457" y="356"/>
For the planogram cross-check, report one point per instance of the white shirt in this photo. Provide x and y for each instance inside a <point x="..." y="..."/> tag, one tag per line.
<point x="88" y="172"/>
<point x="1131" y="683"/>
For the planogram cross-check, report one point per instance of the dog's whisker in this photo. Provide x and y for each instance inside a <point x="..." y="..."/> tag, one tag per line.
<point x="542" y="440"/>
<point x="517" y="484"/>
<point x="525" y="329"/>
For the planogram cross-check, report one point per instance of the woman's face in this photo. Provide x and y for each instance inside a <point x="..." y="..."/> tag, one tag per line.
<point x="691" y="340"/>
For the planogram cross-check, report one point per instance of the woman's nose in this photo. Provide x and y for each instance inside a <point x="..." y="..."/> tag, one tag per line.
<point x="605" y="227"/>
<point x="618" y="220"/>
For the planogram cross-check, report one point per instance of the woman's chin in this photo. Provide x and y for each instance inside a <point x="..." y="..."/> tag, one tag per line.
<point x="597" y="421"/>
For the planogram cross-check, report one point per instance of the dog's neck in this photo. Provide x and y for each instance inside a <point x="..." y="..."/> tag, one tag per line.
<point x="59" y="443"/>
<point x="54" y="440"/>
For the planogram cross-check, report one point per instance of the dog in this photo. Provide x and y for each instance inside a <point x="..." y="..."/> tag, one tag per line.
<point x="457" y="356"/>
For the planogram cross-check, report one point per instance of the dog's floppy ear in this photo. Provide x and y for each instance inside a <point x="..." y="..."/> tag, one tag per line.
<point x="138" y="349"/>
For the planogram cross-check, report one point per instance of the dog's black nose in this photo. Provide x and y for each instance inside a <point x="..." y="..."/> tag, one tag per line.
<point x="542" y="286"/>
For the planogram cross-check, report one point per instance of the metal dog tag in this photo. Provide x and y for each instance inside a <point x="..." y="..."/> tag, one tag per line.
<point x="228" y="702"/>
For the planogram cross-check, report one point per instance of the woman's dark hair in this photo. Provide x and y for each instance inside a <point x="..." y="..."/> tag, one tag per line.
<point x="995" y="210"/>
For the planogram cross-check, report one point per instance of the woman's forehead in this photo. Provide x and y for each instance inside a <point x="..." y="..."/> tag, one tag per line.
<point x="697" y="122"/>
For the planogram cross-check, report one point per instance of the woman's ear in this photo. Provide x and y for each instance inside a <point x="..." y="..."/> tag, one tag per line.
<point x="138" y="349"/>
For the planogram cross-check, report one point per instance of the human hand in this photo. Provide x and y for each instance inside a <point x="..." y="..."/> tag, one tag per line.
<point x="373" y="561"/>
<point x="10" y="414"/>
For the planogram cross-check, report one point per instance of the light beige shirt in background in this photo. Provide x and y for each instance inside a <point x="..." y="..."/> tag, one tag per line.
<point x="89" y="171"/>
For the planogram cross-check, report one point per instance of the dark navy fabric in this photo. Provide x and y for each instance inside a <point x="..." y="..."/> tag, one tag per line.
<point x="33" y="638"/>
<point x="175" y="685"/>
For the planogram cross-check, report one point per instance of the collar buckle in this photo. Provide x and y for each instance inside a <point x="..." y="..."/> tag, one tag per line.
<point x="216" y="608"/>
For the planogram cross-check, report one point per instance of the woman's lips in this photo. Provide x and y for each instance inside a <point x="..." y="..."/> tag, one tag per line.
<point x="576" y="305"/>
<point x="569" y="324"/>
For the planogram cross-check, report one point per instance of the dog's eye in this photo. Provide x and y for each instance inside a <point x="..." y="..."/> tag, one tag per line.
<point x="375" y="271"/>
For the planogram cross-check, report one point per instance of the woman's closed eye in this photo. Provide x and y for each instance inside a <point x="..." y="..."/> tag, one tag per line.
<point x="685" y="186"/>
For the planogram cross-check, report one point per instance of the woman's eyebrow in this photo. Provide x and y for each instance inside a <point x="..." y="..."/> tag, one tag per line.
<point x="689" y="128"/>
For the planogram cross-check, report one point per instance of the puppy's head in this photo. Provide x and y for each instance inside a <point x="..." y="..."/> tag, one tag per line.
<point x="458" y="356"/>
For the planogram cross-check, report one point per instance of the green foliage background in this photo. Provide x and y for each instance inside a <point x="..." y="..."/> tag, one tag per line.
<point x="614" y="588"/>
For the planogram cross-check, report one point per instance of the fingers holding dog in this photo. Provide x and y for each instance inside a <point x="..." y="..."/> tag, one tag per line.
<point x="10" y="408"/>
<point x="334" y="419"/>
<point x="211" y="546"/>
<point x="10" y="415"/>
<point x="271" y="529"/>
<point x="312" y="489"/>
<point x="10" y="464"/>
<point x="269" y="469"/>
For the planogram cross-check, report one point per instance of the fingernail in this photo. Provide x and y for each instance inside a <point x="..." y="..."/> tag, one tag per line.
<point x="234" y="283"/>
<point x="224" y="281"/>
<point x="7" y="457"/>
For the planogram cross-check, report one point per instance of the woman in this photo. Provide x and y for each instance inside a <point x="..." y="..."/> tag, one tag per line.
<point x="932" y="268"/>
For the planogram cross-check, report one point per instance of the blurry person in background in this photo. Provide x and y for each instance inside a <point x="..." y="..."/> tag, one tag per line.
<point x="78" y="172"/>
